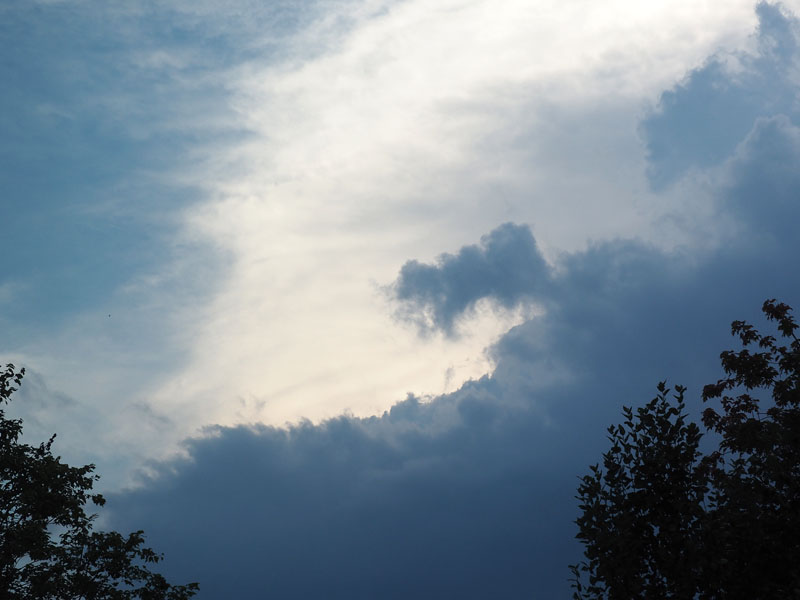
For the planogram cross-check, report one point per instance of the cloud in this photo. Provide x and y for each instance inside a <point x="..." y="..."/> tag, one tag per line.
<point x="763" y="177"/>
<point x="428" y="500"/>
<point x="289" y="165"/>
<point x="470" y="493"/>
<point x="506" y="267"/>
<point x="388" y="131"/>
<point x="233" y="183"/>
<point x="699" y="122"/>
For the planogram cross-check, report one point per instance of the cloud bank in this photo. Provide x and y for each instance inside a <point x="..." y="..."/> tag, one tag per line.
<point x="234" y="184"/>
<point x="470" y="494"/>
<point x="254" y="167"/>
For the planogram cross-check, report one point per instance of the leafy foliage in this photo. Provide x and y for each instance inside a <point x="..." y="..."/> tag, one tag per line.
<point x="48" y="548"/>
<point x="660" y="519"/>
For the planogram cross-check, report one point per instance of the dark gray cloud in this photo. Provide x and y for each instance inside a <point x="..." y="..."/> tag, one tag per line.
<point x="470" y="495"/>
<point x="382" y="507"/>
<point x="506" y="268"/>
<point x="762" y="182"/>
<point x="700" y="121"/>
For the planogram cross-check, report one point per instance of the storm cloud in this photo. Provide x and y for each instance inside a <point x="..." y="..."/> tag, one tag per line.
<point x="202" y="201"/>
<point x="470" y="494"/>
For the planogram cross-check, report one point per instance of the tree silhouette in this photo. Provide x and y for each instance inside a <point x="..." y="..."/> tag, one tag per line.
<point x="661" y="519"/>
<point x="48" y="548"/>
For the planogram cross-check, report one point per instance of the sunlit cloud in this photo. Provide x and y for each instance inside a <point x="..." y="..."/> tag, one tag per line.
<point x="399" y="130"/>
<point x="289" y="160"/>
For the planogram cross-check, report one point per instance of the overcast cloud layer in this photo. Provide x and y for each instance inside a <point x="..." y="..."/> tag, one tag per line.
<point x="525" y="216"/>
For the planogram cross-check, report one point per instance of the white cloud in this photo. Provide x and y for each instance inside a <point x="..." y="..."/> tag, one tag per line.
<point x="376" y="132"/>
<point x="408" y="131"/>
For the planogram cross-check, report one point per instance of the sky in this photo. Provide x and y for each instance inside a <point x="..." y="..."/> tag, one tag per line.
<point x="340" y="296"/>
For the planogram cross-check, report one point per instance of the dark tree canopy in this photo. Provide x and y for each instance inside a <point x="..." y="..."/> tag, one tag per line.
<point x="48" y="548"/>
<point x="661" y="519"/>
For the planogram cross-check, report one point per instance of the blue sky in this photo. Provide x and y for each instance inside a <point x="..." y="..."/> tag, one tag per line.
<point x="340" y="296"/>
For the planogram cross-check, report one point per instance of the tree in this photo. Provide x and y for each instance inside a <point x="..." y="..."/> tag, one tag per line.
<point x="48" y="548"/>
<point x="661" y="519"/>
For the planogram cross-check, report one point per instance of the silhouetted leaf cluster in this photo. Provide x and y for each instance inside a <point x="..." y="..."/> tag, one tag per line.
<point x="661" y="519"/>
<point x="48" y="548"/>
